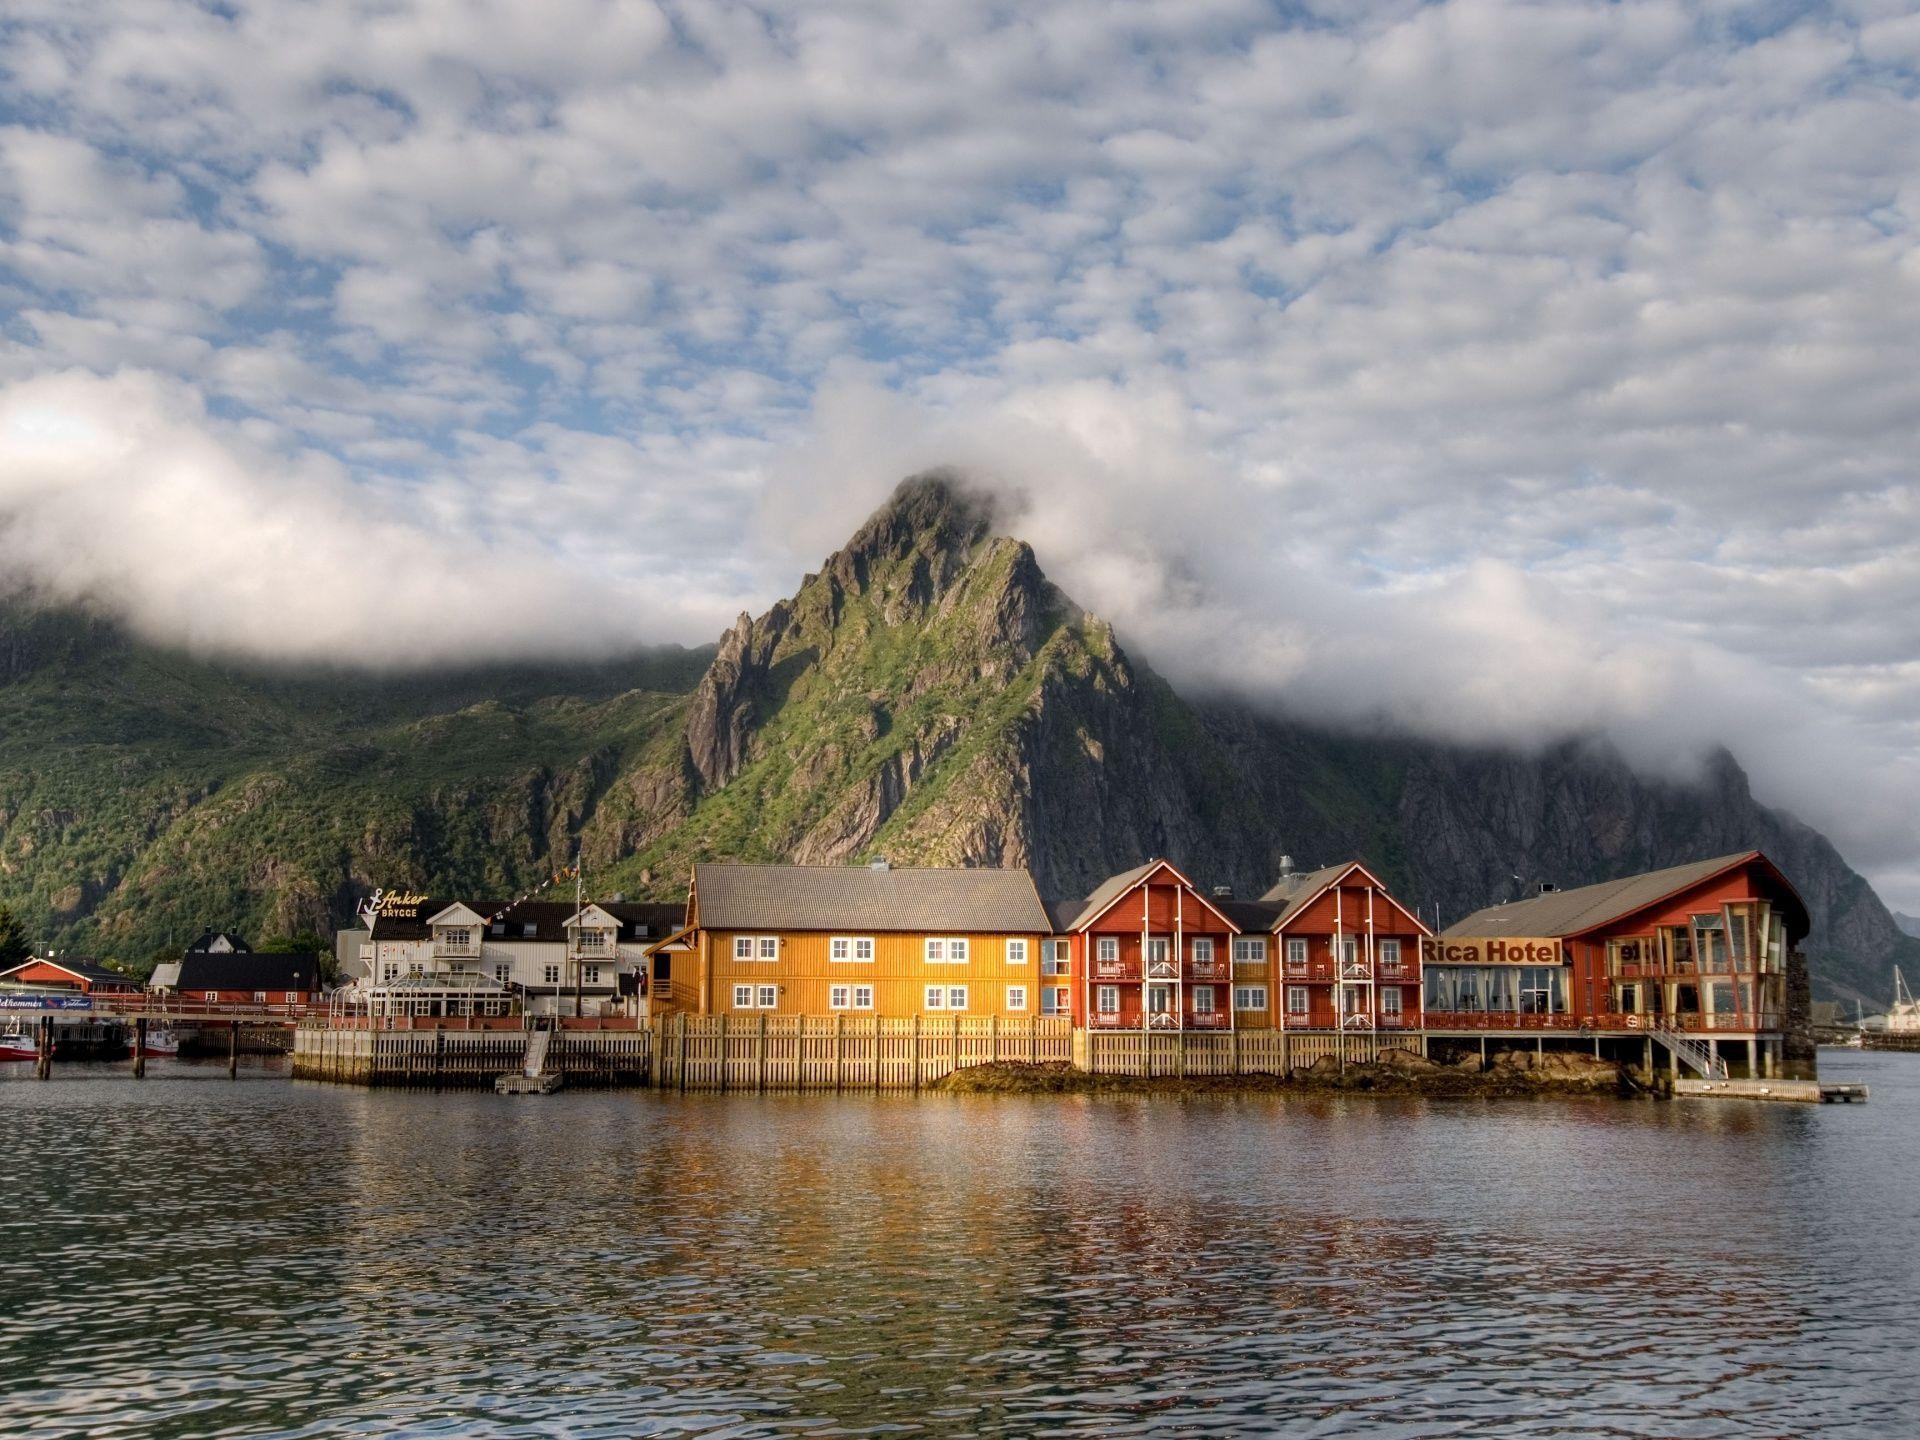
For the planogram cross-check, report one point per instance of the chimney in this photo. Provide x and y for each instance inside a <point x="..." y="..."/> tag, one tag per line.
<point x="1223" y="892"/>
<point x="879" y="862"/>
<point x="1547" y="887"/>
<point x="1286" y="866"/>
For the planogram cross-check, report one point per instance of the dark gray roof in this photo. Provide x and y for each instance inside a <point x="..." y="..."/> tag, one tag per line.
<point x="249" y="970"/>
<point x="1569" y="912"/>
<point x="1063" y="913"/>
<point x="1296" y="891"/>
<point x="204" y="943"/>
<point x="639" y="919"/>
<point x="1252" y="916"/>
<point x="848" y="898"/>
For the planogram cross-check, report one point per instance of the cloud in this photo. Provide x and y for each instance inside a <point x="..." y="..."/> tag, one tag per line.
<point x="1371" y="356"/>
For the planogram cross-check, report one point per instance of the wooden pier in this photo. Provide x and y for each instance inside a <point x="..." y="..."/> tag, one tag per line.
<point x="1801" y="1092"/>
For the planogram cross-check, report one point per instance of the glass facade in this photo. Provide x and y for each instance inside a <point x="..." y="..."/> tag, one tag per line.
<point x="1518" y="989"/>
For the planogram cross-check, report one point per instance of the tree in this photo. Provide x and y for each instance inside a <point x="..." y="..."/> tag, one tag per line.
<point x="304" y="940"/>
<point x="13" y="940"/>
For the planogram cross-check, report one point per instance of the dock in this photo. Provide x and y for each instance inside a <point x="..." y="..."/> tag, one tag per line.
<point x="1800" y="1092"/>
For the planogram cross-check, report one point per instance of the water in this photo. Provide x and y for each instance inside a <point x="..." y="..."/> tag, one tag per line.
<point x="193" y="1256"/>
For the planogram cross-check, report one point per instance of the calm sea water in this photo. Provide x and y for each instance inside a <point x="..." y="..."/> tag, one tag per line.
<point x="190" y="1255"/>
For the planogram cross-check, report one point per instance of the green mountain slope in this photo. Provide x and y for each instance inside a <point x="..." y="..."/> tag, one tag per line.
<point x="927" y="695"/>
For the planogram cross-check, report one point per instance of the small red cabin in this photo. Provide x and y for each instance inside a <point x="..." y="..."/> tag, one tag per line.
<point x="70" y="974"/>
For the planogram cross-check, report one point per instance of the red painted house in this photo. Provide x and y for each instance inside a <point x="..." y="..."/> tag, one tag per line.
<point x="1346" y="953"/>
<point x="1147" y="950"/>
<point x="222" y="969"/>
<point x="71" y="974"/>
<point x="1697" y="950"/>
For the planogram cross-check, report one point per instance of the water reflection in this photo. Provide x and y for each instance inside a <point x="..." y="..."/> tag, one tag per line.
<point x="279" y="1259"/>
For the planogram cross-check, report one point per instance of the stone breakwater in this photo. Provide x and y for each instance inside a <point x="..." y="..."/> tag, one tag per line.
<point x="1508" y="1073"/>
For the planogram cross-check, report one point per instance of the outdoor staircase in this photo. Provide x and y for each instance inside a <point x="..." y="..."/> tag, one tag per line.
<point x="1690" y="1052"/>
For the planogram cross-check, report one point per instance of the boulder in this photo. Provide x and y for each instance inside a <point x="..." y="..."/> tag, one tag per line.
<point x="1409" y="1062"/>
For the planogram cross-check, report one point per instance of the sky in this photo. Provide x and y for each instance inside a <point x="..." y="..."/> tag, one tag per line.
<point x="1495" y="371"/>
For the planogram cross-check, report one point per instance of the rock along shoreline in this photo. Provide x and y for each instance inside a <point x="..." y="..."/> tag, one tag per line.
<point x="1509" y="1074"/>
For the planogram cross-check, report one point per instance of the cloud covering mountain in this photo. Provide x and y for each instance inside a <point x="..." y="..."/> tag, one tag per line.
<point x="1490" y="369"/>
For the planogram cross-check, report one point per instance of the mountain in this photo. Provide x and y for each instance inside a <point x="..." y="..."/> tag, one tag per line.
<point x="927" y="695"/>
<point x="1909" y="924"/>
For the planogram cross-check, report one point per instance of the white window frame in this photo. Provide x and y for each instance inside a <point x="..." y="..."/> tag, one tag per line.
<point x="1063" y="999"/>
<point x="1107" y="950"/>
<point x="1056" y="957"/>
<point x="766" y="997"/>
<point x="840" y="997"/>
<point x="1016" y="997"/>
<point x="503" y="972"/>
<point x="935" y="950"/>
<point x="743" y="947"/>
<point x="1254" y="995"/>
<point x="589" y="974"/>
<point x="846" y="950"/>
<point x="1159" y="949"/>
<point x="956" y="997"/>
<point x="863" y="997"/>
<point x="1249" y="949"/>
<point x="1202" y="950"/>
<point x="1392" y="1002"/>
<point x="1296" y="952"/>
<point x="1202" y="993"/>
<point x="1107" y="999"/>
<point x="1389" y="954"/>
<point x="934" y="997"/>
<point x="1016" y="952"/>
<point x="1349" y="949"/>
<point x="743" y="996"/>
<point x="552" y="974"/>
<point x="1298" y="1002"/>
<point x="946" y="950"/>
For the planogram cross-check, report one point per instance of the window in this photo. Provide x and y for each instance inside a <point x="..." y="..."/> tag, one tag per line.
<point x="1016" y="997"/>
<point x="936" y="997"/>
<point x="946" y="997"/>
<point x="259" y="997"/>
<point x="756" y="947"/>
<point x="947" y="951"/>
<point x="1108" y="999"/>
<point x="499" y="927"/>
<point x="1250" y="997"/>
<point x="1390" y="1001"/>
<point x="936" y="952"/>
<point x="591" y="975"/>
<point x="1203" y="952"/>
<point x="415" y="970"/>
<point x="956" y="997"/>
<point x="743" y="947"/>
<point x="1054" y="956"/>
<point x="391" y="971"/>
<point x="840" y="997"/>
<point x="551" y="974"/>
<point x="293" y="997"/>
<point x="1390" y="954"/>
<point x="863" y="997"/>
<point x="743" y="997"/>
<point x="1062" y="1000"/>
<point x="1203" y="999"/>
<point x="1157" y="950"/>
<point x="593" y="940"/>
<point x="766" y="996"/>
<point x="503" y="973"/>
<point x="528" y="929"/>
<point x="1297" y="951"/>
<point x="1349" y="948"/>
<point x="1109" y="951"/>
<point x="1249" y="949"/>
<point x="769" y="947"/>
<point x="1017" y="953"/>
<point x="457" y="937"/>
<point x="850" y="949"/>
<point x="1296" y="999"/>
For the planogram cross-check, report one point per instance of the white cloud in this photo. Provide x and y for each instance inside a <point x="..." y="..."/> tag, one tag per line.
<point x="1565" y="339"/>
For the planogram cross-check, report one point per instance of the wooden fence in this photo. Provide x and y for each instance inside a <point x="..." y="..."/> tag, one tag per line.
<point x="838" y="1052"/>
<point x="452" y="1059"/>
<point x="1233" y="1052"/>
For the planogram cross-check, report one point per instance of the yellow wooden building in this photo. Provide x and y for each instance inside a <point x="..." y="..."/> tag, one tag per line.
<point x="863" y="942"/>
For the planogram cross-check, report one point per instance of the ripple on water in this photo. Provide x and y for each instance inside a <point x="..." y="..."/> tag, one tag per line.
<point x="292" y="1260"/>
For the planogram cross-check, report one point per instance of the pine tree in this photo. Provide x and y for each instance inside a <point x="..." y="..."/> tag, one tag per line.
<point x="13" y="940"/>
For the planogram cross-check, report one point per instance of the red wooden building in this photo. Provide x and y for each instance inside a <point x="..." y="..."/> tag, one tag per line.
<point x="1346" y="953"/>
<point x="70" y="974"/>
<point x="1148" y="951"/>
<point x="1698" y="950"/>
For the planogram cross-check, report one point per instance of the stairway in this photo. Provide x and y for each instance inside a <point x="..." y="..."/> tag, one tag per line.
<point x="1688" y="1051"/>
<point x="536" y="1058"/>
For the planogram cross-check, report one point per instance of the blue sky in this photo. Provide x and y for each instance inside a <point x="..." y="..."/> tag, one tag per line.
<point x="1496" y="370"/>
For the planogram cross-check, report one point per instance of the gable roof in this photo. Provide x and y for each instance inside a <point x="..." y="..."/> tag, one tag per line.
<point x="1570" y="912"/>
<point x="78" y="966"/>
<point x="249" y="970"/>
<point x="207" y="940"/>
<point x="1109" y="891"/>
<point x="850" y="899"/>
<point x="1293" y="893"/>
<point x="1252" y="916"/>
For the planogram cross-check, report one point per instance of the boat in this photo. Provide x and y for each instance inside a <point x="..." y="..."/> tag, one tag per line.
<point x="1899" y="1028"/>
<point x="161" y="1042"/>
<point x="18" y="1041"/>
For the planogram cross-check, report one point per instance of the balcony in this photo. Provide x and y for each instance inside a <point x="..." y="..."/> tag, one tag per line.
<point x="1162" y="970"/>
<point x="1115" y="970"/>
<point x="1209" y="1020"/>
<point x="456" y="949"/>
<point x="1356" y="970"/>
<point x="1400" y="1021"/>
<point x="1107" y="1021"/>
<point x="1206" y="970"/>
